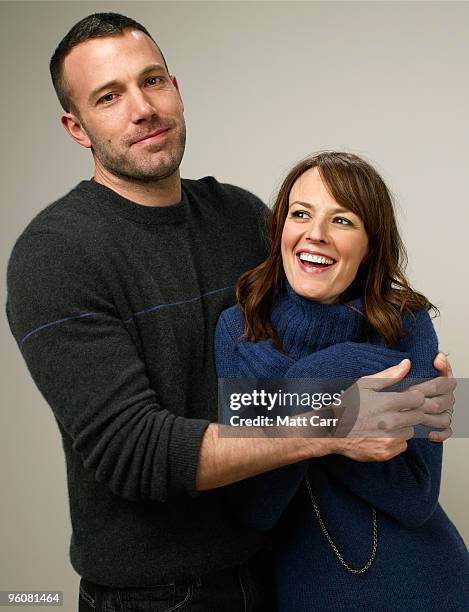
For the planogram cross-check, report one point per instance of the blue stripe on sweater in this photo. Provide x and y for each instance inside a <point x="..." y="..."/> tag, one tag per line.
<point x="194" y="299"/>
<point x="135" y="314"/>
<point x="46" y="325"/>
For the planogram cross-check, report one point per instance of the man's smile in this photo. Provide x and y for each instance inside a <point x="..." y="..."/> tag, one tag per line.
<point x="155" y="136"/>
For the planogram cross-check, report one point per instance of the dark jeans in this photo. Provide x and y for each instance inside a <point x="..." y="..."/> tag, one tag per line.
<point x="244" y="588"/>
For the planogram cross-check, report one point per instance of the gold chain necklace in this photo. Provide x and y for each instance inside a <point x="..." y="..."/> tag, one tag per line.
<point x="352" y="570"/>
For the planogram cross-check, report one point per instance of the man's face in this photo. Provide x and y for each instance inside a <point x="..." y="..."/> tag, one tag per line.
<point x="128" y="109"/>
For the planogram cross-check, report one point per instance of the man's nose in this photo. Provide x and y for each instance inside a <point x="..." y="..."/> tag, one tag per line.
<point x="141" y="106"/>
<point x="317" y="231"/>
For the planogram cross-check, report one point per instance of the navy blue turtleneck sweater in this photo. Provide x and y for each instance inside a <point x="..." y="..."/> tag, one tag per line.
<point x="421" y="562"/>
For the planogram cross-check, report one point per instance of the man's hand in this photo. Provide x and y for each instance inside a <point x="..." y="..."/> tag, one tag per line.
<point x="368" y="412"/>
<point x="393" y="415"/>
<point x="377" y="431"/>
<point x="371" y="449"/>
<point x="439" y="400"/>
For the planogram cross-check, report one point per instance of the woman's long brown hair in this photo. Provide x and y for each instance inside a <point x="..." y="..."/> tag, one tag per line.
<point x="380" y="281"/>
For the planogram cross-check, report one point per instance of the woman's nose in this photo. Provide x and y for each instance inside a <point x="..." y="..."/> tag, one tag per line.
<point x="317" y="231"/>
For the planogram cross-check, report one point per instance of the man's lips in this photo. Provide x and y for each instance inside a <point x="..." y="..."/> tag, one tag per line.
<point x="152" y="137"/>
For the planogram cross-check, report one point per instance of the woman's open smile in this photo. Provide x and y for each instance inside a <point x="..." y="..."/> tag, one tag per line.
<point x="323" y="244"/>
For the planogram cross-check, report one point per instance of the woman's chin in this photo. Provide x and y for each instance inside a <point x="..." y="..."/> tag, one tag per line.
<point x="314" y="293"/>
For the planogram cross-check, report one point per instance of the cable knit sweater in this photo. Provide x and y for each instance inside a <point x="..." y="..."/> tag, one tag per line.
<point x="422" y="562"/>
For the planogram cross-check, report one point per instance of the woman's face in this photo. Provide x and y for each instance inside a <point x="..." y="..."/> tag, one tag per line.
<point x="323" y="243"/>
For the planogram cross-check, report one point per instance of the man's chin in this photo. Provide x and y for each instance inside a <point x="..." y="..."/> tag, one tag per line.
<point x="147" y="173"/>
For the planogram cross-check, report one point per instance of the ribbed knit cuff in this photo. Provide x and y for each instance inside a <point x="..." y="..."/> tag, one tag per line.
<point x="184" y="453"/>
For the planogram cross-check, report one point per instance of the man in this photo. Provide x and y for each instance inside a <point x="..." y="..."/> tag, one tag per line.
<point x="114" y="292"/>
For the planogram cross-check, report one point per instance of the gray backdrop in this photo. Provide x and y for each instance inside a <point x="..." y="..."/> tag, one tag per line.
<point x="264" y="83"/>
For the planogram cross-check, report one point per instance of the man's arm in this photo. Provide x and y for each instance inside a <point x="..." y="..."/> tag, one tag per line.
<point x="86" y="364"/>
<point x="84" y="361"/>
<point x="82" y="357"/>
<point x="225" y="460"/>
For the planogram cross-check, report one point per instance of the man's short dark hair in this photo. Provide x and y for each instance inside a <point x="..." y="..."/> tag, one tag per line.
<point x="97" y="25"/>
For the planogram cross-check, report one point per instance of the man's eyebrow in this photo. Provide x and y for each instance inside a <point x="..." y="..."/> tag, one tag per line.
<point x="153" y="68"/>
<point x="98" y="90"/>
<point x="115" y="82"/>
<point x="337" y="209"/>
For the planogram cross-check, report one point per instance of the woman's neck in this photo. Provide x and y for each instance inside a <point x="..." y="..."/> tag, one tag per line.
<point x="305" y="326"/>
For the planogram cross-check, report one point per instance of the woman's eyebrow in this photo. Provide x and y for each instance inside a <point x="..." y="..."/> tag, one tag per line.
<point x="338" y="209"/>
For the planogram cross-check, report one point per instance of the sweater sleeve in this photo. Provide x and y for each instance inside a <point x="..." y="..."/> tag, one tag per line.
<point x="237" y="358"/>
<point x="84" y="361"/>
<point x="258" y="501"/>
<point x="407" y="487"/>
<point x="347" y="360"/>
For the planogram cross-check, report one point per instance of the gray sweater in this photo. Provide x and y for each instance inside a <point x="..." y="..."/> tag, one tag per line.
<point x="114" y="305"/>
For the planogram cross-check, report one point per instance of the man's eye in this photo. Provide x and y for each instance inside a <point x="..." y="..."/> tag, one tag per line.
<point x="154" y="80"/>
<point x="107" y="98"/>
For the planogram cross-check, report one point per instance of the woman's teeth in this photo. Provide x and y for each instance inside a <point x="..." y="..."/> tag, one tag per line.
<point x="317" y="259"/>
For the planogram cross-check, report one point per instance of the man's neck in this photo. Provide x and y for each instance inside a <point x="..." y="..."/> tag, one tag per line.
<point x="161" y="192"/>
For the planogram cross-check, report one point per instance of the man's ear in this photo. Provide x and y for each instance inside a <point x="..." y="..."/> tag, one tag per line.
<point x="176" y="86"/>
<point x="73" y="126"/>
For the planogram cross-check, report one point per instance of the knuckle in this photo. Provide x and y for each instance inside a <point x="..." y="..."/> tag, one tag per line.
<point x="430" y="421"/>
<point x="418" y="398"/>
<point x="432" y="407"/>
<point x="412" y="399"/>
<point x="385" y="424"/>
<point x="388" y="402"/>
<point x="443" y="420"/>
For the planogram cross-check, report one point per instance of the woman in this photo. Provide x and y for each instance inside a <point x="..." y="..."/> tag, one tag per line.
<point x="331" y="301"/>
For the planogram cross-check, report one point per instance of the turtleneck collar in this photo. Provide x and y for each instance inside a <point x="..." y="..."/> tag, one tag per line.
<point x="305" y="326"/>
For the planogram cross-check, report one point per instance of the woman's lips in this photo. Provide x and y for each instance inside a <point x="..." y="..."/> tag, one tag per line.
<point x="312" y="268"/>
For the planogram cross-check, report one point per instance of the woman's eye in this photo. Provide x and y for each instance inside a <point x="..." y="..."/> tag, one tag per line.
<point x="342" y="221"/>
<point x="299" y="214"/>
